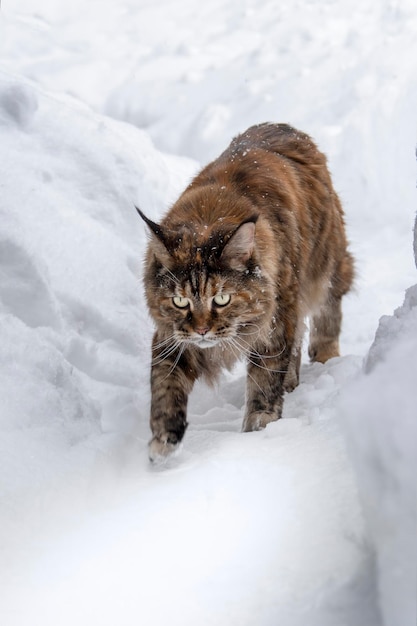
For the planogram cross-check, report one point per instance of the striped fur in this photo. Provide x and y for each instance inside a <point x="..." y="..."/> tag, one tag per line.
<point x="260" y="226"/>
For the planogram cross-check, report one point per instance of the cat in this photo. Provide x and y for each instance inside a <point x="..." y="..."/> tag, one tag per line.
<point x="253" y="245"/>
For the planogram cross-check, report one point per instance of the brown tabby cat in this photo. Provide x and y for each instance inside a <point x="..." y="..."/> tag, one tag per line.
<point x="254" y="244"/>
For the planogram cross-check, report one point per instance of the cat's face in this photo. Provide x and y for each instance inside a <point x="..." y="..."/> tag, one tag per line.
<point x="209" y="291"/>
<point x="206" y="309"/>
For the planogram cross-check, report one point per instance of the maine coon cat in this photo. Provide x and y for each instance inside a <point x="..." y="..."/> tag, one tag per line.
<point x="254" y="245"/>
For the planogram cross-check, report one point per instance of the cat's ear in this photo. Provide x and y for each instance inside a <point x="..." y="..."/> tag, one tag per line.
<point x="155" y="228"/>
<point x="159" y="238"/>
<point x="238" y="250"/>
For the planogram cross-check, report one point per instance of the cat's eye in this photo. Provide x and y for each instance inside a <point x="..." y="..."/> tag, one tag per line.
<point x="180" y="302"/>
<point x="221" y="299"/>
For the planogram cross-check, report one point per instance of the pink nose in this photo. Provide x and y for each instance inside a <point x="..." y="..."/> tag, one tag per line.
<point x="202" y="331"/>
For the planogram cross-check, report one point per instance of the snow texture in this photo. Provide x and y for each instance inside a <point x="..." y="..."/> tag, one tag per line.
<point x="379" y="411"/>
<point x="311" y="520"/>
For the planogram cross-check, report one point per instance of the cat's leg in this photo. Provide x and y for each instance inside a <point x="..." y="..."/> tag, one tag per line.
<point x="292" y="377"/>
<point x="325" y="325"/>
<point x="265" y="385"/>
<point x="172" y="379"/>
<point x="325" y="330"/>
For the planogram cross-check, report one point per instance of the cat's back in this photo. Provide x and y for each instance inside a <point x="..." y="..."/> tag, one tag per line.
<point x="280" y="139"/>
<point x="272" y="174"/>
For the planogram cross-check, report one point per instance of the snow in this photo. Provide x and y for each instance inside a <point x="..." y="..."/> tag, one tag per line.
<point x="380" y="411"/>
<point x="106" y="105"/>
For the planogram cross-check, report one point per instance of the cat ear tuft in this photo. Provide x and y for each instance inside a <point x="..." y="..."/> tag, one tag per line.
<point x="155" y="228"/>
<point x="159" y="238"/>
<point x="239" y="248"/>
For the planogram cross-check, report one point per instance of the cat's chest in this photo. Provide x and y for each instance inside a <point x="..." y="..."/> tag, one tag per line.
<point x="213" y="360"/>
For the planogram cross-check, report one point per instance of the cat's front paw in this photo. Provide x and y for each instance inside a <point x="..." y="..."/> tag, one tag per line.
<point x="160" y="449"/>
<point x="257" y="421"/>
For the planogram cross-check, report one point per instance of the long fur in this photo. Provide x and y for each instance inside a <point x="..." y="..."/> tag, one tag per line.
<point x="263" y="225"/>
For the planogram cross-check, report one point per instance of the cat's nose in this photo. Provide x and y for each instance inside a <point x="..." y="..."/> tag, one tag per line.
<point x="202" y="331"/>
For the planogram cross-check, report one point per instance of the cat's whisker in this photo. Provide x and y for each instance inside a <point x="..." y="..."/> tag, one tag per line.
<point x="255" y="332"/>
<point x="159" y="358"/>
<point x="171" y="275"/>
<point x="158" y="362"/>
<point x="172" y="343"/>
<point x="232" y="345"/>
<point x="256" y="355"/>
<point x="257" y="384"/>
<point x="164" y="342"/>
<point x="227" y="343"/>
<point x="179" y="355"/>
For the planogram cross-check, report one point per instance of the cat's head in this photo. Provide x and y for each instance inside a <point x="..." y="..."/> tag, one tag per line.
<point x="204" y="283"/>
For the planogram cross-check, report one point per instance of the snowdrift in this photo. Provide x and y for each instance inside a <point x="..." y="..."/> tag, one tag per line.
<point x="74" y="330"/>
<point x="380" y="412"/>
<point x="265" y="527"/>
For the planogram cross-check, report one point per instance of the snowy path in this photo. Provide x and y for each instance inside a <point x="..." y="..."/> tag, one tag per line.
<point x="250" y="529"/>
<point x="224" y="525"/>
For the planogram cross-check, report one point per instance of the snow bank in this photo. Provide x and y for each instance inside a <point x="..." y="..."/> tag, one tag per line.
<point x="380" y="411"/>
<point x="73" y="326"/>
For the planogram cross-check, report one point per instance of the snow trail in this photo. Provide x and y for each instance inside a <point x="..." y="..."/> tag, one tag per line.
<point x="259" y="528"/>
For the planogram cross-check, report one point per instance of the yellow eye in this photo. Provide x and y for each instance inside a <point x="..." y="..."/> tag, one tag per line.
<point x="222" y="299"/>
<point x="180" y="302"/>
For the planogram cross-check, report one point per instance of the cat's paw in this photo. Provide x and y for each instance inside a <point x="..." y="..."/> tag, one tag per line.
<point x="323" y="351"/>
<point x="257" y="421"/>
<point x="290" y="383"/>
<point x="160" y="449"/>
